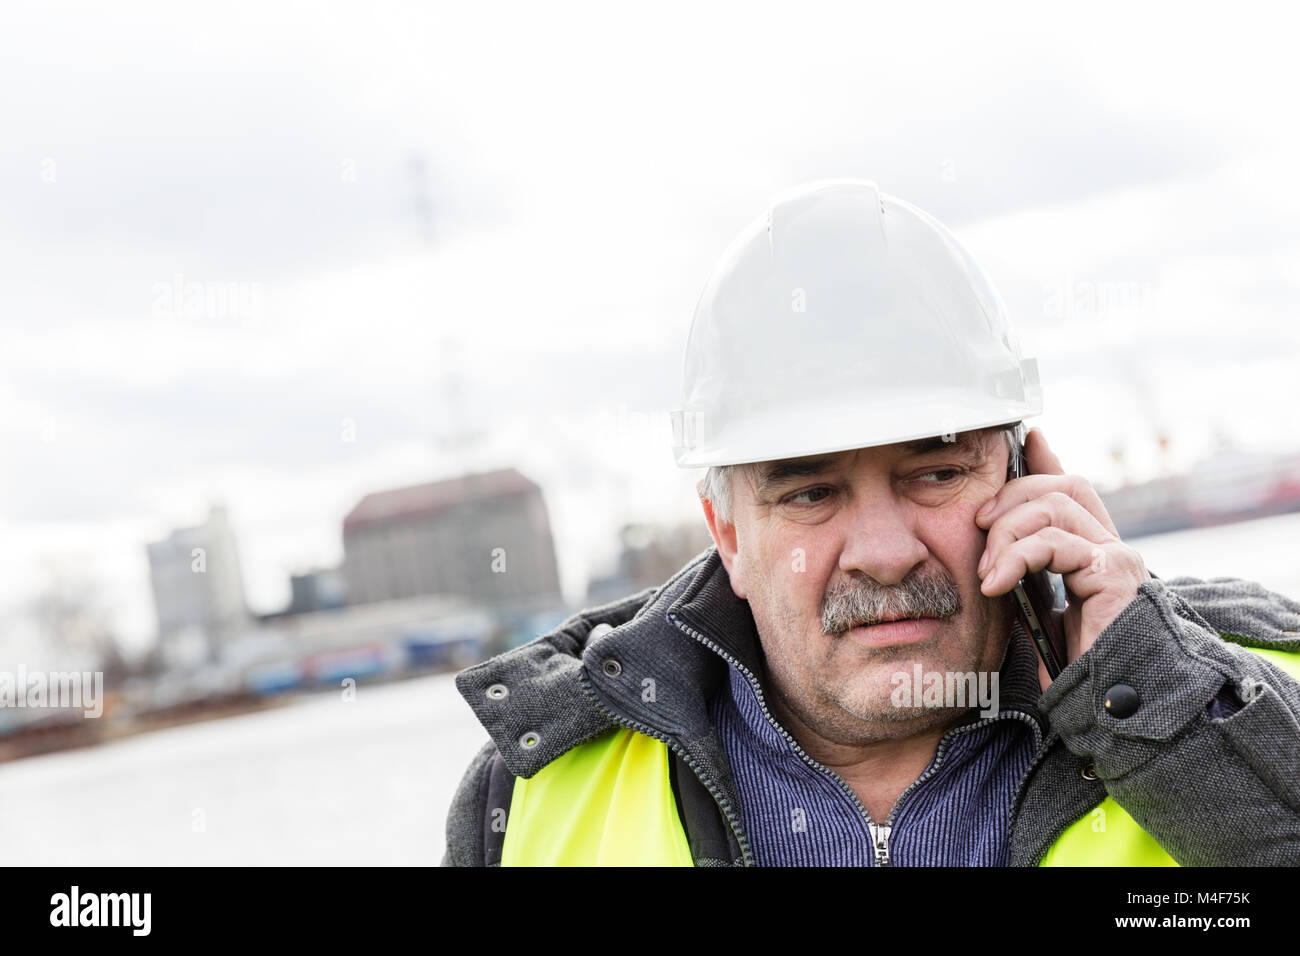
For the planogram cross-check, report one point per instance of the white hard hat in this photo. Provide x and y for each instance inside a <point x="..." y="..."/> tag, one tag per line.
<point x="845" y="318"/>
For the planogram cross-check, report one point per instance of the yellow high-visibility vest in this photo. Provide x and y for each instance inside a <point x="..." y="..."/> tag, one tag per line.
<point x="609" y="802"/>
<point x="606" y="802"/>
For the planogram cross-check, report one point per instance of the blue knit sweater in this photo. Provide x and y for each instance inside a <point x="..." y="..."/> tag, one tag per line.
<point x="798" y="813"/>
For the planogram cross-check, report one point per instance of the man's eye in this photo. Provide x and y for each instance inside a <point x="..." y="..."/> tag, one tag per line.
<point x="793" y="499"/>
<point x="953" y="472"/>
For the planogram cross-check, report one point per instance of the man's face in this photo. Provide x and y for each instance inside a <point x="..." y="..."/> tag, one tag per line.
<point x="824" y="543"/>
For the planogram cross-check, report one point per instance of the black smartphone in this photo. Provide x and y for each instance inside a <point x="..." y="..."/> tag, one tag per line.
<point x="1040" y="597"/>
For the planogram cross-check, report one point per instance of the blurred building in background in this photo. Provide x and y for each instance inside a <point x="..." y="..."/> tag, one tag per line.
<point x="322" y="589"/>
<point x="198" y="591"/>
<point x="486" y="537"/>
<point x="381" y="639"/>
<point x="650" y="555"/>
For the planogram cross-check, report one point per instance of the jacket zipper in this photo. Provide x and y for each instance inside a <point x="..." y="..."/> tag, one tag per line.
<point x="1043" y="748"/>
<point x="762" y="702"/>
<point x="879" y="833"/>
<point x="723" y="803"/>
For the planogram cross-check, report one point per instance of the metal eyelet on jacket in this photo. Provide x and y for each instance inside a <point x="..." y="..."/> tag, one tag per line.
<point x="612" y="667"/>
<point x="530" y="740"/>
<point x="497" y="691"/>
<point x="1090" y="771"/>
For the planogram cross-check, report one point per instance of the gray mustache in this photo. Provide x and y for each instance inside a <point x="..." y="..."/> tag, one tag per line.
<point x="861" y="604"/>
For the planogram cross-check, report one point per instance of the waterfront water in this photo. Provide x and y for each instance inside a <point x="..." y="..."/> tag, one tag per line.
<point x="1263" y="550"/>
<point x="321" y="781"/>
<point x="324" y="781"/>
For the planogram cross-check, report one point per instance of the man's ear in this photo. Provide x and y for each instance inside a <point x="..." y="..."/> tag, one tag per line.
<point x="724" y="536"/>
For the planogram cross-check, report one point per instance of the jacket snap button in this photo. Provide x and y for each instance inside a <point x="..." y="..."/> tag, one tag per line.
<point x="497" y="691"/>
<point x="1090" y="771"/>
<point x="530" y="740"/>
<point x="1122" y="701"/>
<point x="613" y="668"/>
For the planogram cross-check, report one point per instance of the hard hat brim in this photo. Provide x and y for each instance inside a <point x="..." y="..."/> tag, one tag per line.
<point x="798" y="432"/>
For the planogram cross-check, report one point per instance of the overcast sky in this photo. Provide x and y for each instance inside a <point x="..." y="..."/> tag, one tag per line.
<point x="477" y="233"/>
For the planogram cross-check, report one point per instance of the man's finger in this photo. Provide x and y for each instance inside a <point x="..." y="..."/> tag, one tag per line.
<point x="1039" y="457"/>
<point x="1082" y="563"/>
<point x="1019" y="490"/>
<point x="1054" y="509"/>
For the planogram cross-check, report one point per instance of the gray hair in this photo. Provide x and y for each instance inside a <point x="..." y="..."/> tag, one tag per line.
<point x="715" y="486"/>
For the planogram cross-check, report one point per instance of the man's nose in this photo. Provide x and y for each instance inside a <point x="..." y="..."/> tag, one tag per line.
<point x="880" y="542"/>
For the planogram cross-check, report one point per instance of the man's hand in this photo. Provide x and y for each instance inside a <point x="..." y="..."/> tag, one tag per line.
<point x="1048" y="519"/>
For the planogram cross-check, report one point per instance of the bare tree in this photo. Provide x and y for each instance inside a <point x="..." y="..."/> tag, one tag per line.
<point x="71" y="618"/>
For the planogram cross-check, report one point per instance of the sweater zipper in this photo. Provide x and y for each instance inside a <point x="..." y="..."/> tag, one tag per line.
<point x="880" y="842"/>
<point x="882" y="846"/>
<point x="879" y="833"/>
<point x="723" y="803"/>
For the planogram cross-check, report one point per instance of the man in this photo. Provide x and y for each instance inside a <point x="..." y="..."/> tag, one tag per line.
<point x="791" y="696"/>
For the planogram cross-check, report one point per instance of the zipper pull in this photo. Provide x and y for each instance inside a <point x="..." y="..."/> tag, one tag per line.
<point x="880" y="842"/>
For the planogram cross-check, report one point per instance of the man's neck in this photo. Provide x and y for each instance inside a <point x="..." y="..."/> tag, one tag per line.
<point x="878" y="771"/>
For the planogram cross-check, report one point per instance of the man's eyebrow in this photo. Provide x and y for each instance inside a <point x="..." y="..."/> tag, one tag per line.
<point x="964" y="444"/>
<point x="782" y="472"/>
<point x="779" y="473"/>
<point x="967" y="447"/>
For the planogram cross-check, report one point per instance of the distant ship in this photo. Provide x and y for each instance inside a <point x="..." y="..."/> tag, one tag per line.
<point x="1228" y="486"/>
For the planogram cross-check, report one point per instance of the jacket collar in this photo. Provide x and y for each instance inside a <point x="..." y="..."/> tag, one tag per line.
<point x="654" y="659"/>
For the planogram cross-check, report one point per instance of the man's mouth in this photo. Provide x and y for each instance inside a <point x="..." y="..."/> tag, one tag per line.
<point x="893" y="630"/>
<point x="890" y="618"/>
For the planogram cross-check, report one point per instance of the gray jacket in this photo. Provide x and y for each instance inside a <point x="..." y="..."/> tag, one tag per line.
<point x="1211" y="791"/>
